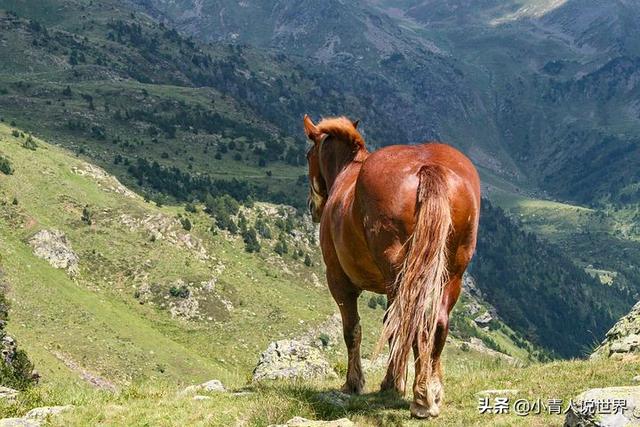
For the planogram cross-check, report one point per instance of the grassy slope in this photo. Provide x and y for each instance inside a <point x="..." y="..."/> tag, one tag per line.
<point x="95" y="317"/>
<point x="94" y="322"/>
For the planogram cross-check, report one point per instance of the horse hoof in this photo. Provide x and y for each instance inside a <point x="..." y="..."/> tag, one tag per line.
<point x="422" y="412"/>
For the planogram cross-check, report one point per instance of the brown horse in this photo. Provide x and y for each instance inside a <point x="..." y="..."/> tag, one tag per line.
<point x="401" y="221"/>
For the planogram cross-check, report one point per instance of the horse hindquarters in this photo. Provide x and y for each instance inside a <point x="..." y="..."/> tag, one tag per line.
<point x="413" y="316"/>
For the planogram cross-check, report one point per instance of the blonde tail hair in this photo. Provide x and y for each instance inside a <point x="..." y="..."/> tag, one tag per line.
<point x="419" y="287"/>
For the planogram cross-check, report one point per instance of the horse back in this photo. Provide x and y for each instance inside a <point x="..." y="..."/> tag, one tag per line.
<point x="386" y="195"/>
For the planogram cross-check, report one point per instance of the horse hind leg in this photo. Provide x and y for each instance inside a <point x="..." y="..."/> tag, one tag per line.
<point x="428" y="391"/>
<point x="393" y="380"/>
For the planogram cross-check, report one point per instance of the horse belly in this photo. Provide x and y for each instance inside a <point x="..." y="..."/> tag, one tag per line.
<point x="358" y="264"/>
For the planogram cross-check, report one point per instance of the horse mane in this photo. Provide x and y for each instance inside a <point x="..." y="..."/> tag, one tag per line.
<point x="342" y="128"/>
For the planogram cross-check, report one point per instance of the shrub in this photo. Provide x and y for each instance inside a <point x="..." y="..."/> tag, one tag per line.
<point x="263" y="229"/>
<point x="373" y="303"/>
<point x="86" y="215"/>
<point x="191" y="207"/>
<point x="186" y="223"/>
<point x="15" y="133"/>
<point x="307" y="260"/>
<point x="5" y="166"/>
<point x="179" y="292"/>
<point x="30" y="143"/>
<point x="324" y="339"/>
<point x="250" y="238"/>
<point x="281" y="246"/>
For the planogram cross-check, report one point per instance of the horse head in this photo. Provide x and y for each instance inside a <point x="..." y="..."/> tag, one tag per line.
<point x="326" y="160"/>
<point x="318" y="192"/>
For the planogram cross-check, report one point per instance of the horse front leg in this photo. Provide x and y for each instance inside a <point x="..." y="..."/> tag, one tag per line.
<point x="428" y="386"/>
<point x="347" y="299"/>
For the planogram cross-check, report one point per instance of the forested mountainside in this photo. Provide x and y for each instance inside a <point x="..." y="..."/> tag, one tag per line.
<point x="551" y="84"/>
<point x="183" y="118"/>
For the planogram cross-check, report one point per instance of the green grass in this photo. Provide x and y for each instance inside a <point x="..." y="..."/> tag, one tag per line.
<point x="467" y="373"/>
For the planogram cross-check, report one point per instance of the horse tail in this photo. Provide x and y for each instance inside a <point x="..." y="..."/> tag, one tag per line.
<point x="419" y="287"/>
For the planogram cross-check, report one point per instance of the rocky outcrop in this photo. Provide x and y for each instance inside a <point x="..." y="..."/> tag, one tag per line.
<point x="303" y="422"/>
<point x="53" y="246"/>
<point x="163" y="227"/>
<point x="484" y="319"/>
<point x="292" y="359"/>
<point x="623" y="339"/>
<point x="605" y="407"/>
<point x="106" y="181"/>
<point x="35" y="417"/>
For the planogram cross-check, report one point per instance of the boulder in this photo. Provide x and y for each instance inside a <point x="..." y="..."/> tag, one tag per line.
<point x="53" y="246"/>
<point x="605" y="407"/>
<point x="292" y="359"/>
<point x="43" y="413"/>
<point x="303" y="422"/>
<point x="623" y="339"/>
<point x="211" y="386"/>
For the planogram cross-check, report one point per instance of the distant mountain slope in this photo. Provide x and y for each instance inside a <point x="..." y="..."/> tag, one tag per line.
<point x="404" y="78"/>
<point x="539" y="289"/>
<point x="564" y="78"/>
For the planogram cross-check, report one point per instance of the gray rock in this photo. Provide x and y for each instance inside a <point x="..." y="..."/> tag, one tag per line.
<point x="44" y="412"/>
<point x="8" y="393"/>
<point x="484" y="319"/>
<point x="212" y="386"/>
<point x="292" y="359"/>
<point x="585" y="412"/>
<point x="200" y="397"/>
<point x="18" y="422"/>
<point x="623" y="339"/>
<point x="53" y="246"/>
<point x="303" y="422"/>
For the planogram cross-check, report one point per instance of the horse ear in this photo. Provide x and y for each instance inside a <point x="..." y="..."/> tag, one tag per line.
<point x="355" y="123"/>
<point x="310" y="129"/>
